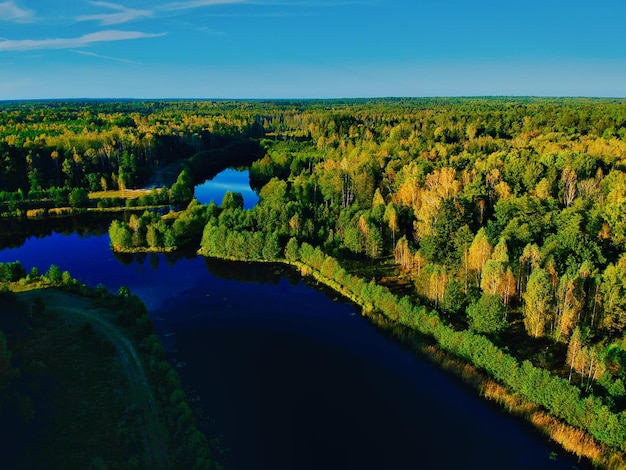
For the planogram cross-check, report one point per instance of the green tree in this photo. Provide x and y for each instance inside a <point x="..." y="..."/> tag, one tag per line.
<point x="391" y="217"/>
<point x="67" y="279"/>
<point x="487" y="315"/>
<point x="274" y="194"/>
<point x="12" y="271"/>
<point x="454" y="300"/>
<point x="613" y="289"/>
<point x="439" y="245"/>
<point x="153" y="237"/>
<point x="121" y="236"/>
<point x="292" y="250"/>
<point x="182" y="189"/>
<point x="54" y="275"/>
<point x="272" y="248"/>
<point x="78" y="197"/>
<point x="34" y="275"/>
<point x="232" y="200"/>
<point x="373" y="242"/>
<point x="353" y="240"/>
<point x="123" y="292"/>
<point x="537" y="303"/>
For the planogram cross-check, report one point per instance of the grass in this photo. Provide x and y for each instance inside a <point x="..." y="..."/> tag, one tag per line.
<point x="122" y="194"/>
<point x="572" y="439"/>
<point x="74" y="388"/>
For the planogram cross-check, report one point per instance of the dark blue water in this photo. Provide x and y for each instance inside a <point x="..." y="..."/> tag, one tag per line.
<point x="288" y="378"/>
<point x="227" y="180"/>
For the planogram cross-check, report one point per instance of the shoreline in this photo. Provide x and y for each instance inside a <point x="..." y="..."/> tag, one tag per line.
<point x="62" y="212"/>
<point x="153" y="386"/>
<point x="570" y="439"/>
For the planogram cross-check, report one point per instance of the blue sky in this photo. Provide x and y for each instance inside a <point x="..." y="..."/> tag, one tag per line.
<point x="310" y="48"/>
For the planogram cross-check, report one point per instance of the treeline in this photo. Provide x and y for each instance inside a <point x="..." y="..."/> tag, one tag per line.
<point x="555" y="394"/>
<point x="108" y="145"/>
<point x="498" y="213"/>
<point x="234" y="233"/>
<point x="60" y="201"/>
<point x="187" y="447"/>
<point x="115" y="145"/>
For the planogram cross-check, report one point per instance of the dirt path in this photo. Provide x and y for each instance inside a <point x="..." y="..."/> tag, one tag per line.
<point x="73" y="307"/>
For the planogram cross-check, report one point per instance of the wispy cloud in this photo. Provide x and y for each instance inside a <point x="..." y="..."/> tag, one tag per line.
<point x="9" y="11"/>
<point x="196" y="4"/>
<point x="268" y="14"/>
<point x="105" y="57"/>
<point x="311" y="3"/>
<point x="122" y="15"/>
<point x="71" y="43"/>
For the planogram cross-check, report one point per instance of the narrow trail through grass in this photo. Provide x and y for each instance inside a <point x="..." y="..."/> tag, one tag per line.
<point x="74" y="308"/>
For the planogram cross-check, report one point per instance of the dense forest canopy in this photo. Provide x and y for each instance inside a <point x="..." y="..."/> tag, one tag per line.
<point x="97" y="144"/>
<point x="507" y="216"/>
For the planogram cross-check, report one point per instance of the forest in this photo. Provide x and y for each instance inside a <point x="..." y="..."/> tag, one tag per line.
<point x="494" y="226"/>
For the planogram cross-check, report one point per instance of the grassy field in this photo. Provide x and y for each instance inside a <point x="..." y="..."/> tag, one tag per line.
<point x="122" y="194"/>
<point x="82" y="399"/>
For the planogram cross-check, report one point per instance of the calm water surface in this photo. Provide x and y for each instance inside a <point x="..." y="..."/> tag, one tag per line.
<point x="286" y="377"/>
<point x="227" y="180"/>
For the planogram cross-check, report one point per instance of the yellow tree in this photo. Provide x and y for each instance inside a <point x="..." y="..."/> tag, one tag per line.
<point x="294" y="224"/>
<point x="444" y="183"/>
<point x="530" y="259"/>
<point x="419" y="262"/>
<point x="409" y="190"/>
<point x="570" y="297"/>
<point x="573" y="349"/>
<point x="479" y="253"/>
<point x="569" y="180"/>
<point x="437" y="284"/>
<point x="501" y="252"/>
<point x="492" y="278"/>
<point x="378" y="199"/>
<point x="507" y="289"/>
<point x="403" y="255"/>
<point x="391" y="217"/>
<point x="537" y="302"/>
<point x="427" y="214"/>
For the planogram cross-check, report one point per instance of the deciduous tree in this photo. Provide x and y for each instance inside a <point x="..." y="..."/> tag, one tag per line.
<point x="537" y="303"/>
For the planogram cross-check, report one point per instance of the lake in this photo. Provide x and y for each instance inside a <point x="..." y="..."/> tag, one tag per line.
<point x="227" y="180"/>
<point x="284" y="375"/>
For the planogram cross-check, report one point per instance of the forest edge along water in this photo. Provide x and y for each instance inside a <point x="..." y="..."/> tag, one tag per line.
<point x="283" y="376"/>
<point x="461" y="224"/>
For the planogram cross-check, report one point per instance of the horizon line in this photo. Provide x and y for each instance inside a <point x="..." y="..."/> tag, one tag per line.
<point x="378" y="97"/>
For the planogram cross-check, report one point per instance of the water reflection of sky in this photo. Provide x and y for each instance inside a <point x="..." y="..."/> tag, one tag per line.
<point x="345" y="373"/>
<point x="90" y="260"/>
<point x="227" y="180"/>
